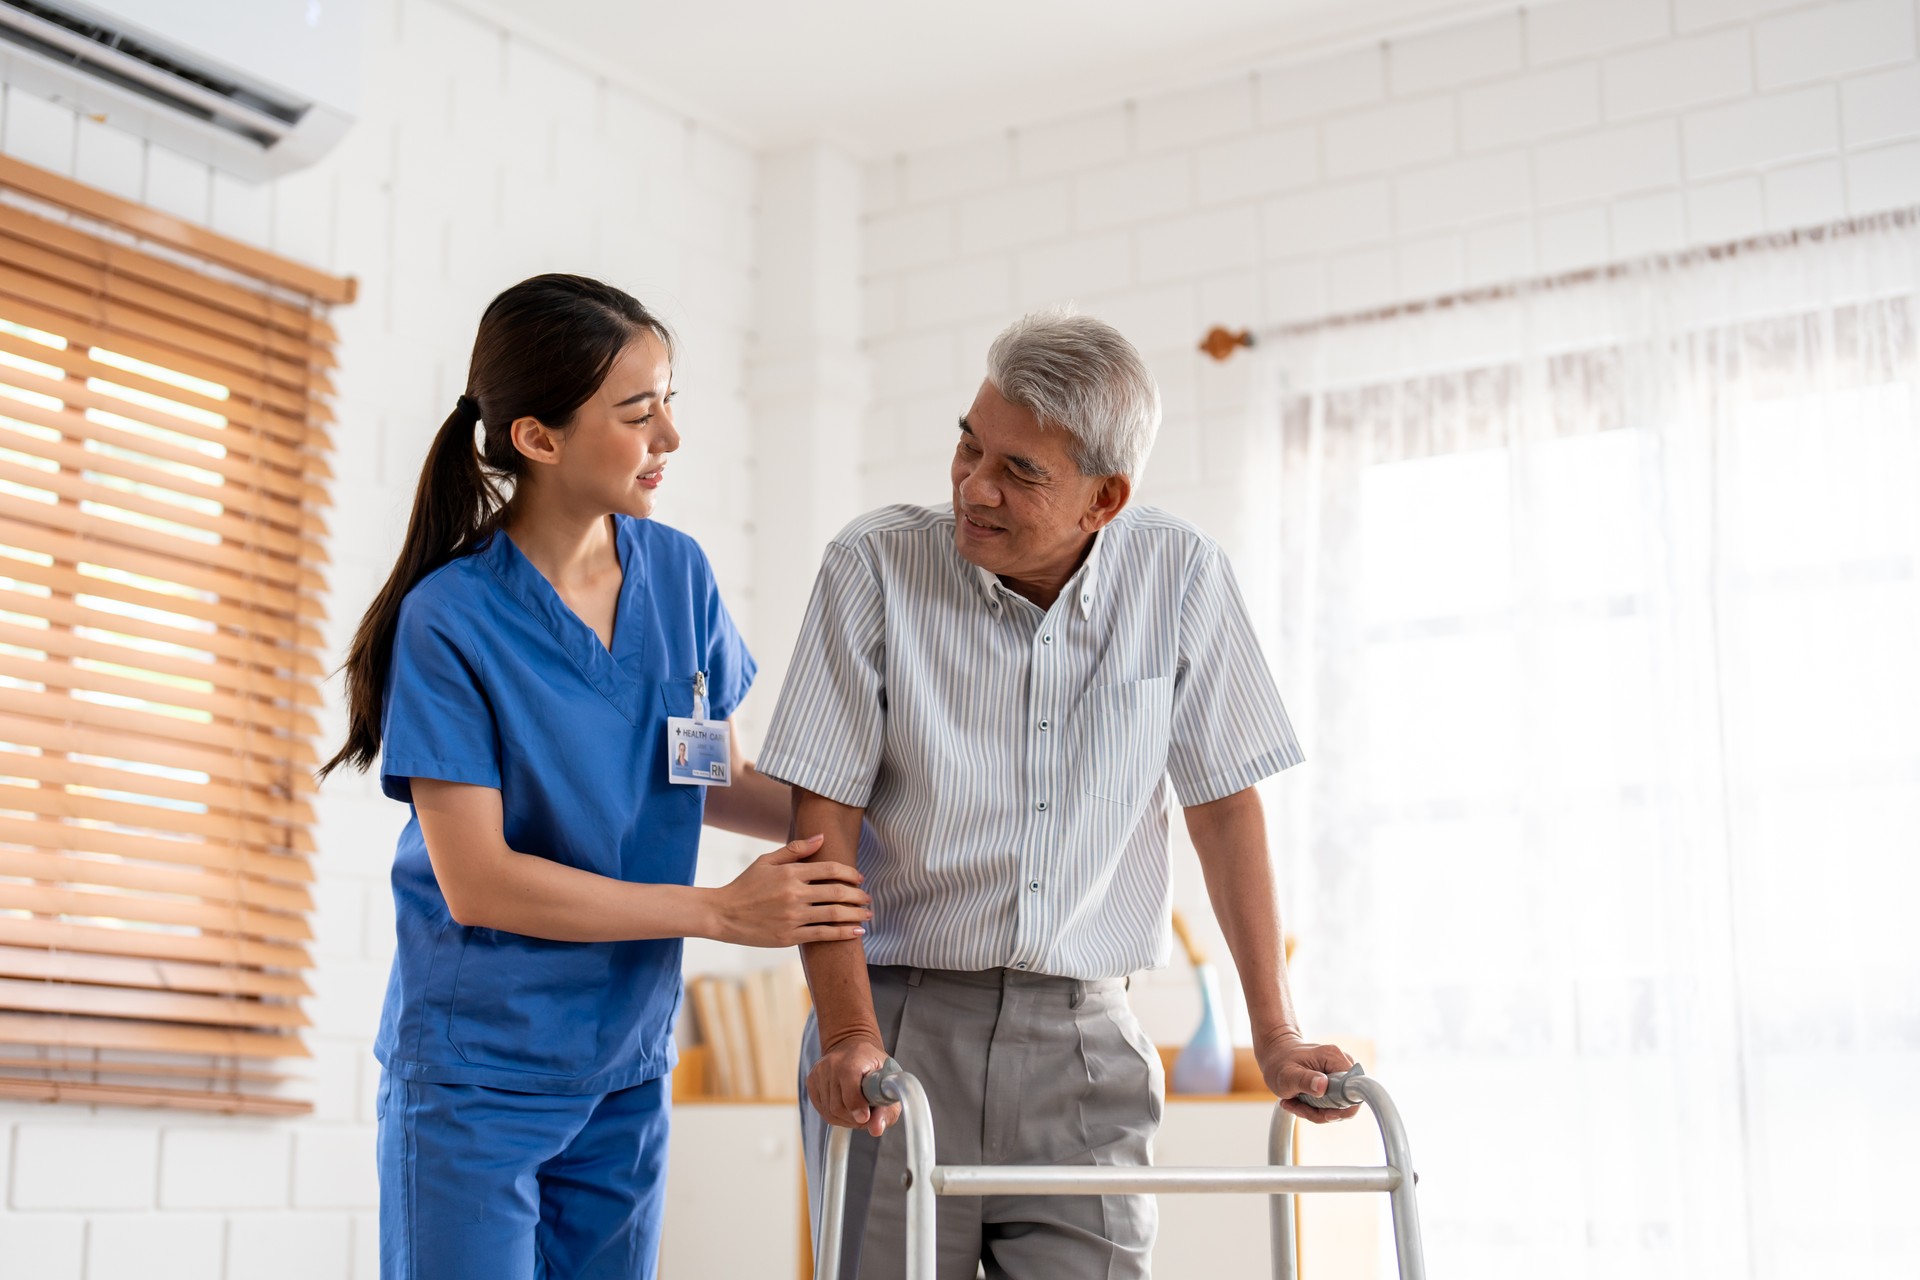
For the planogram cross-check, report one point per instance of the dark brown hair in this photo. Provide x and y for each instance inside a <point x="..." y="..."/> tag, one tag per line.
<point x="543" y="349"/>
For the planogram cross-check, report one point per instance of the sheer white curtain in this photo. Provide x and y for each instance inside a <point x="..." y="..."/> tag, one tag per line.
<point x="1599" y="608"/>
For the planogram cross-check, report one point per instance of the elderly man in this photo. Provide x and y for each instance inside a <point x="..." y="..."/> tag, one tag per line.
<point x="1001" y="689"/>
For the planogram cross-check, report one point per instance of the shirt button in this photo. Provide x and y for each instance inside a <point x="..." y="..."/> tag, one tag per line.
<point x="1086" y="597"/>
<point x="1043" y="726"/>
<point x="1042" y="806"/>
<point x="1033" y="886"/>
<point x="1021" y="964"/>
<point x="1046" y="639"/>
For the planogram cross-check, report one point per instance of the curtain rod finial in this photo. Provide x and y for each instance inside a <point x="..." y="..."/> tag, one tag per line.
<point x="1221" y="343"/>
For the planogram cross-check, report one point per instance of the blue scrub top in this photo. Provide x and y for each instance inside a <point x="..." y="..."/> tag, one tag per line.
<point x="496" y="682"/>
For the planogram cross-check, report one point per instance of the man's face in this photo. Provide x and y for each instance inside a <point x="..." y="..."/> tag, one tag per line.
<point x="1021" y="508"/>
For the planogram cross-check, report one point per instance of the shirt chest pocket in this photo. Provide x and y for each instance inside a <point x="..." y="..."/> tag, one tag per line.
<point x="1122" y="740"/>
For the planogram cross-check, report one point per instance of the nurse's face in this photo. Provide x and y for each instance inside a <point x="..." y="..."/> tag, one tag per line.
<point x="614" y="456"/>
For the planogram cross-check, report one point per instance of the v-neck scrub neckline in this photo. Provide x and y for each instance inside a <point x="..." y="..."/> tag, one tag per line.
<point x="496" y="682"/>
<point x="600" y="665"/>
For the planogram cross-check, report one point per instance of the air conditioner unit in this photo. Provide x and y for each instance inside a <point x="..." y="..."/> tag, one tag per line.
<point x="256" y="88"/>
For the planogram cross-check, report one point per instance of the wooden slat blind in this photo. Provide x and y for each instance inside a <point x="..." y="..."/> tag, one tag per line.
<point x="163" y="476"/>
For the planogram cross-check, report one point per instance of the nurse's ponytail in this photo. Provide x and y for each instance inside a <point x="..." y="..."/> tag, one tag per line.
<point x="543" y="349"/>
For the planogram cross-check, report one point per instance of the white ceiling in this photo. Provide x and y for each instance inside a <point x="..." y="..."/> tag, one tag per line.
<point x="881" y="75"/>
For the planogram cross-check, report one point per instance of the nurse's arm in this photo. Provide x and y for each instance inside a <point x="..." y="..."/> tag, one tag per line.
<point x="850" y="1044"/>
<point x="755" y="805"/>
<point x="779" y="901"/>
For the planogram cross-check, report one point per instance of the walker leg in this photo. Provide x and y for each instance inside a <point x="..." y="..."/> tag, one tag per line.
<point x="889" y="1083"/>
<point x="1393" y="1136"/>
<point x="917" y="1116"/>
<point x="1280" y="1209"/>
<point x="833" y="1206"/>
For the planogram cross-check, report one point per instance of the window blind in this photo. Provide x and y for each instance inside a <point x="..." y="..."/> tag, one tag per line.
<point x="163" y="469"/>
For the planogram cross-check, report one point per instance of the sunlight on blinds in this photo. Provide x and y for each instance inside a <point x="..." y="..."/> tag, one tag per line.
<point x="162" y="466"/>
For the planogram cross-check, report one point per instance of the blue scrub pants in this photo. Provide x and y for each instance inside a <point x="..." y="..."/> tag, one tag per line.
<point x="487" y="1184"/>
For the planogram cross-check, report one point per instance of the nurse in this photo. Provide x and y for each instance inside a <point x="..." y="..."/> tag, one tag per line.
<point x="540" y="644"/>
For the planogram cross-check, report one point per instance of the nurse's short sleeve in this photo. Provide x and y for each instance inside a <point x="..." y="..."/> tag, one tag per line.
<point x="438" y="721"/>
<point x="730" y="667"/>
<point x="827" y="730"/>
<point x="1229" y="727"/>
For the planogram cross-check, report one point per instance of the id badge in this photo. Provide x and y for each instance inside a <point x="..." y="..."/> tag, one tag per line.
<point x="699" y="750"/>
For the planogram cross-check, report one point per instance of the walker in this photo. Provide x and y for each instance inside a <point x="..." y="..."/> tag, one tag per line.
<point x="1278" y="1179"/>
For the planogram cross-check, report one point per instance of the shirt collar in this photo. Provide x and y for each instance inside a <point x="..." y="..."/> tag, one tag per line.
<point x="1083" y="586"/>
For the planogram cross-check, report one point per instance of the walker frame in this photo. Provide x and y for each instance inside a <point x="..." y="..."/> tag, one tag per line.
<point x="1279" y="1179"/>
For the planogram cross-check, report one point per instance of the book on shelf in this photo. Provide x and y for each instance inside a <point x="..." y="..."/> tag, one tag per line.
<point x="749" y="1025"/>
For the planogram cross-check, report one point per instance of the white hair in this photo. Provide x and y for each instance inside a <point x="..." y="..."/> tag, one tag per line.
<point x="1079" y="373"/>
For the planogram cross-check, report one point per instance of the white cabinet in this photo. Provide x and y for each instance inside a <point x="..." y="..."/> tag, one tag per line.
<point x="1212" y="1237"/>
<point x="1225" y="1237"/>
<point x="733" y="1192"/>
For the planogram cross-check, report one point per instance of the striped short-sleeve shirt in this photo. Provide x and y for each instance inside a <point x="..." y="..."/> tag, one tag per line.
<point x="1013" y="761"/>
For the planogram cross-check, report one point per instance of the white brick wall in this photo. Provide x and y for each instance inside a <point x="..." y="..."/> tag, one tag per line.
<point x="1396" y="136"/>
<point x="42" y="1246"/>
<point x="442" y="194"/>
<point x="1543" y="139"/>
<point x="1879" y="108"/>
<point x="1455" y="56"/>
<point x="59" y="1164"/>
<point x="1833" y="40"/>
<point x="291" y="1246"/>
<point x="1760" y="131"/>
<point x="1679" y="73"/>
<point x="233" y="1166"/>
<point x="1525" y="108"/>
<point x="1062" y="146"/>
<point x="1320" y="88"/>
<point x="1610" y="162"/>
<point x="173" y="1246"/>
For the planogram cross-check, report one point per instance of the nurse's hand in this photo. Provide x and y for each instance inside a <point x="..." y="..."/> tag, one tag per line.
<point x="834" y="1086"/>
<point x="782" y="900"/>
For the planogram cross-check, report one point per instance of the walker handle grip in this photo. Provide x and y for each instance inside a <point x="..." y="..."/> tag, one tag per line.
<point x="1336" y="1096"/>
<point x="874" y="1085"/>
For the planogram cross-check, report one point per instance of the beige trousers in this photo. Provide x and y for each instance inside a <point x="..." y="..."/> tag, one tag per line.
<point x="1019" y="1069"/>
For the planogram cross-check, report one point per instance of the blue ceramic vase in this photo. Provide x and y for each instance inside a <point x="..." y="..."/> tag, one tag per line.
<point x="1206" y="1064"/>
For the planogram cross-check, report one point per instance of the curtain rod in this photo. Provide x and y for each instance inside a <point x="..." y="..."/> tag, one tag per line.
<point x="1221" y="342"/>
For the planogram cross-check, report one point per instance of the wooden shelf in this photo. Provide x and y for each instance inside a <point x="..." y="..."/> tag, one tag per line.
<point x="692" y="1084"/>
<point x="1248" y="1084"/>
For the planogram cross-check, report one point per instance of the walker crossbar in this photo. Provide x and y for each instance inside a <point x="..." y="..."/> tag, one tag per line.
<point x="1278" y="1179"/>
<point x="1114" y="1180"/>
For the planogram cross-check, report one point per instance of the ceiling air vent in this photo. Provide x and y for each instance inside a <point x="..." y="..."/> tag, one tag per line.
<point x="254" y="88"/>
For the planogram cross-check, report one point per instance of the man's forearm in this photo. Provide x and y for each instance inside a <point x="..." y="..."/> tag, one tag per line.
<point x="1230" y="835"/>
<point x="836" y="971"/>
